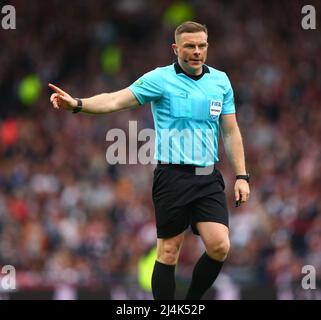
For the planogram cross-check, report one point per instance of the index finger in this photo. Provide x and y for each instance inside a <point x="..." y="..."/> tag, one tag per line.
<point x="58" y="90"/>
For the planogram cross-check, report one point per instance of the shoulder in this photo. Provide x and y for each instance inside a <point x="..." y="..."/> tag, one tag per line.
<point x="161" y="70"/>
<point x="220" y="76"/>
<point x="218" y="73"/>
<point x="156" y="75"/>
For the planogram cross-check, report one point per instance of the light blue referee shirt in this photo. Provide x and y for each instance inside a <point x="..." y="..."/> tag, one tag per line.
<point x="186" y="111"/>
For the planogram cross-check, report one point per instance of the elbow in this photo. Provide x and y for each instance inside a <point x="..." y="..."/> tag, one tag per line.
<point x="111" y="105"/>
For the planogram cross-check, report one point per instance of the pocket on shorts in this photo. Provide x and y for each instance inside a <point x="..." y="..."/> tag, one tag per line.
<point x="220" y="179"/>
<point x="157" y="180"/>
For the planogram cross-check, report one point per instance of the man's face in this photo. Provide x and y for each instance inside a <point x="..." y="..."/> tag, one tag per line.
<point x="191" y="51"/>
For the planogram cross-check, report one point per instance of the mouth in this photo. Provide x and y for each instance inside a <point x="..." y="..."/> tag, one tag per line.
<point x="195" y="61"/>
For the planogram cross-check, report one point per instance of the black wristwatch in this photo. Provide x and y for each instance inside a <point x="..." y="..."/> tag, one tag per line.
<point x="79" y="106"/>
<point x="244" y="177"/>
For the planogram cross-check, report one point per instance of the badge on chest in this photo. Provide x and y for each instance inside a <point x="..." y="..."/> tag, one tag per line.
<point x="215" y="108"/>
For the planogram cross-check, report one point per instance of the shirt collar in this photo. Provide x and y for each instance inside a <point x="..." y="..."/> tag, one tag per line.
<point x="179" y="69"/>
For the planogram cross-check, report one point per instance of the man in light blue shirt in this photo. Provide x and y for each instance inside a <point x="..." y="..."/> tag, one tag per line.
<point x="191" y="102"/>
<point x="186" y="111"/>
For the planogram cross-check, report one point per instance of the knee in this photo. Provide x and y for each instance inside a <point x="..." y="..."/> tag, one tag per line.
<point x="218" y="250"/>
<point x="168" y="254"/>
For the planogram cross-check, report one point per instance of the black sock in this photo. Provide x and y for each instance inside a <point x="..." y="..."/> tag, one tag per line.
<point x="205" y="272"/>
<point x="163" y="281"/>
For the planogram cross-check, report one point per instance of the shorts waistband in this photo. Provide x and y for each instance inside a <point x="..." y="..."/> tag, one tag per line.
<point x="183" y="167"/>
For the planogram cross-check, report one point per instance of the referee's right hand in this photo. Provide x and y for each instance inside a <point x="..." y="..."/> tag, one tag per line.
<point x="61" y="99"/>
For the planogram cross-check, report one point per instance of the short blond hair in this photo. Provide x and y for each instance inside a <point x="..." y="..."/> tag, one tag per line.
<point x="189" y="27"/>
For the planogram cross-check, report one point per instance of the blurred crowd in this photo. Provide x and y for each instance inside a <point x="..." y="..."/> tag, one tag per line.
<point x="68" y="219"/>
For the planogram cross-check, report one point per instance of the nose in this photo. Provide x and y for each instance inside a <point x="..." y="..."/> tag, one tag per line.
<point x="197" y="50"/>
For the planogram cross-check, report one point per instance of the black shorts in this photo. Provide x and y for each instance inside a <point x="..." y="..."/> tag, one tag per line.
<point x="181" y="199"/>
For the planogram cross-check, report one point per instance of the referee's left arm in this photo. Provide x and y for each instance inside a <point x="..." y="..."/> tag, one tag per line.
<point x="233" y="145"/>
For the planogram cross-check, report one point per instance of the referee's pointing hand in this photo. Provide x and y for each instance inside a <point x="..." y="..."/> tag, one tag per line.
<point x="61" y="99"/>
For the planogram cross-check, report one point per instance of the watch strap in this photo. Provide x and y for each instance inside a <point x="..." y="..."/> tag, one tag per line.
<point x="78" y="107"/>
<point x="243" y="177"/>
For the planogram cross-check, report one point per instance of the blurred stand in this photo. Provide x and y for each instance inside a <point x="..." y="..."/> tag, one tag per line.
<point x="67" y="216"/>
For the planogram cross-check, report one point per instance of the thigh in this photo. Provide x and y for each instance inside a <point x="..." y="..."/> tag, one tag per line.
<point x="213" y="233"/>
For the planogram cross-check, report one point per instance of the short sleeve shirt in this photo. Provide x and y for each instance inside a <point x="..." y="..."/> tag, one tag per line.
<point x="186" y="112"/>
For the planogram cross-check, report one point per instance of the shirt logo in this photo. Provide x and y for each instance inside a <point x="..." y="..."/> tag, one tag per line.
<point x="138" y="82"/>
<point x="215" y="108"/>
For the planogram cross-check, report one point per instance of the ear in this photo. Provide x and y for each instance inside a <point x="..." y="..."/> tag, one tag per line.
<point x="174" y="46"/>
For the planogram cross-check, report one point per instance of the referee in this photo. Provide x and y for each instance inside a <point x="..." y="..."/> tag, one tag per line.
<point x="190" y="103"/>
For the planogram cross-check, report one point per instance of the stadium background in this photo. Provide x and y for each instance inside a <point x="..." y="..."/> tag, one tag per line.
<point x="75" y="227"/>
